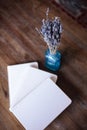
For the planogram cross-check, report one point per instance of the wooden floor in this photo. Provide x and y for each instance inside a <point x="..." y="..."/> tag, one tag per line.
<point x="20" y="43"/>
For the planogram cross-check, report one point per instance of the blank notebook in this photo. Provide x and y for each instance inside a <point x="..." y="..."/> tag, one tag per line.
<point x="34" y="97"/>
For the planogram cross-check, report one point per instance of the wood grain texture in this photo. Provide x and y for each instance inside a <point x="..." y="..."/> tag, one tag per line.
<point x="20" y="43"/>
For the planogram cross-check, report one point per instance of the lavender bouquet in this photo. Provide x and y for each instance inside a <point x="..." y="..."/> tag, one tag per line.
<point x="51" y="32"/>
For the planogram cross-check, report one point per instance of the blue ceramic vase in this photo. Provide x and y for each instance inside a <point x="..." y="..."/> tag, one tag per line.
<point x="52" y="61"/>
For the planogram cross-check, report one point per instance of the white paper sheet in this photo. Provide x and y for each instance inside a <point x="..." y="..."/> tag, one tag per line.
<point x="35" y="99"/>
<point x="23" y="79"/>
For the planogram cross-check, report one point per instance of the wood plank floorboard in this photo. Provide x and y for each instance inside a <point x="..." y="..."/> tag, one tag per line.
<point x="20" y="43"/>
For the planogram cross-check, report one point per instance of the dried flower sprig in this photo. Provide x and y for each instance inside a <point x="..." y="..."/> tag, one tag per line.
<point x="51" y="32"/>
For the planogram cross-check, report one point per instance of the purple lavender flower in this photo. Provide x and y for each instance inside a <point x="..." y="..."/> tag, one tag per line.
<point x="51" y="31"/>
